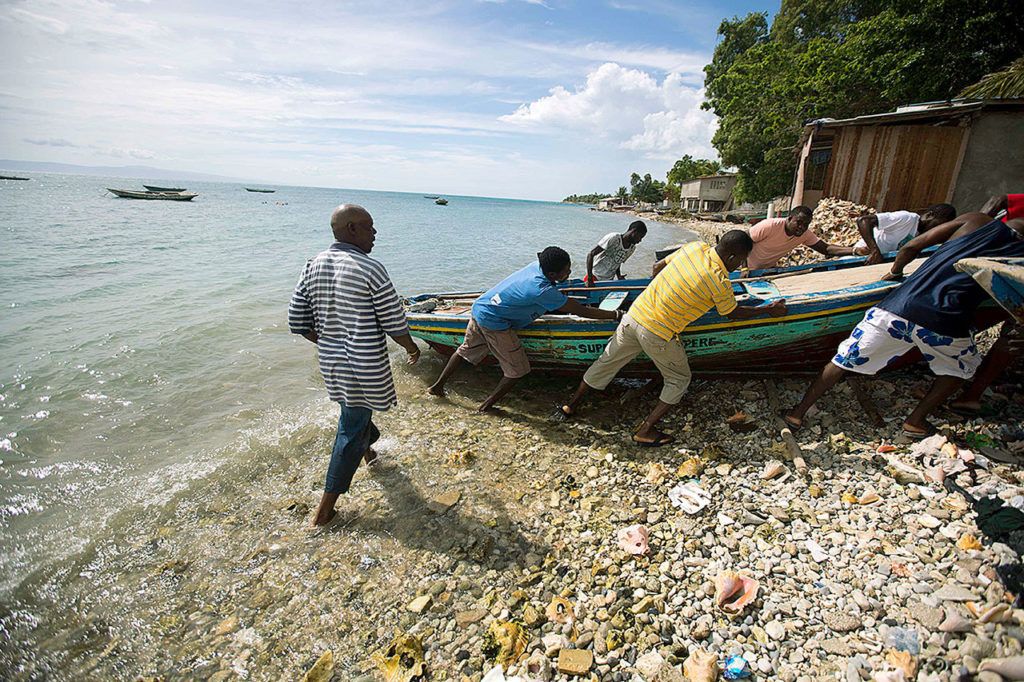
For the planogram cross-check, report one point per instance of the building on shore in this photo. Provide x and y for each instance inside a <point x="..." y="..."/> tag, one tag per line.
<point x="708" y="193"/>
<point x="959" y="152"/>
<point x="613" y="204"/>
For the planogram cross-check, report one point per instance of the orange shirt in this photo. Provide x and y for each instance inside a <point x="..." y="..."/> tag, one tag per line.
<point x="772" y="243"/>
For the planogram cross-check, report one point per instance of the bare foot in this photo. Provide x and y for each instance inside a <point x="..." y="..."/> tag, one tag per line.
<point x="436" y="390"/>
<point x="652" y="438"/>
<point x="966" y="407"/>
<point x="323" y="520"/>
<point x="792" y="422"/>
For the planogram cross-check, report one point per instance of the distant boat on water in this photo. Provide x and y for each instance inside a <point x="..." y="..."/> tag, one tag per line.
<point x="261" y="191"/>
<point x="154" y="188"/>
<point x="12" y="177"/>
<point x="158" y="196"/>
<point x="440" y="201"/>
<point x="431" y="196"/>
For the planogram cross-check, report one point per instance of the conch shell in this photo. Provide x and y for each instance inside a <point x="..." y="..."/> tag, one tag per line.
<point x="700" y="666"/>
<point x="1011" y="668"/>
<point x="772" y="470"/>
<point x="734" y="591"/>
<point x="505" y="641"/>
<point x="968" y="542"/>
<point x="656" y="473"/>
<point x="955" y="622"/>
<point x="633" y="539"/>
<point x="402" y="661"/>
<point x="691" y="468"/>
<point x="996" y="614"/>
<point x="902" y="661"/>
<point x="560" y="611"/>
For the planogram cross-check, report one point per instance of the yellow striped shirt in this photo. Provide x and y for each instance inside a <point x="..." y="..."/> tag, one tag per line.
<point x="692" y="282"/>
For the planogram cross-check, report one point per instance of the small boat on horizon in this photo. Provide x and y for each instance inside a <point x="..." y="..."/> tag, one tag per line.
<point x="149" y="195"/>
<point x="13" y="177"/>
<point x="440" y="201"/>
<point x="431" y="196"/>
<point x="261" y="191"/>
<point x="156" y="188"/>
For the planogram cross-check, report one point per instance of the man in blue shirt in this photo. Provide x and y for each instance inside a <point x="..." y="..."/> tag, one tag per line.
<point x="512" y="304"/>
<point x="932" y="311"/>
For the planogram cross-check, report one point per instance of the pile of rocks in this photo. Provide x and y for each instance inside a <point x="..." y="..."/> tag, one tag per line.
<point x="835" y="221"/>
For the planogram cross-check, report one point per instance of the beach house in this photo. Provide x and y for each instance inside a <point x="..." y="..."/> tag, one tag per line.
<point x="708" y="193"/>
<point x="960" y="152"/>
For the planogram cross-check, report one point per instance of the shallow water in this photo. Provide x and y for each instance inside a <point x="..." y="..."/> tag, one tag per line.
<point x="144" y="354"/>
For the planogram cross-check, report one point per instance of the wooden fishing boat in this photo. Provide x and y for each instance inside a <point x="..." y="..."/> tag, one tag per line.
<point x="13" y="177"/>
<point x="431" y="196"/>
<point x="1002" y="278"/>
<point x="823" y="306"/>
<point x="441" y="201"/>
<point x="156" y="188"/>
<point x="151" y="196"/>
<point x="261" y="191"/>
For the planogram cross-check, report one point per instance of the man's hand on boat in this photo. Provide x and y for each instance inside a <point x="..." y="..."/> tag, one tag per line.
<point x="576" y="308"/>
<point x="775" y="308"/>
<point x="406" y="342"/>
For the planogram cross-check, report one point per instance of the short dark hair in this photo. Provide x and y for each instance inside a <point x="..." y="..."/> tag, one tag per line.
<point x="943" y="212"/>
<point x="802" y="211"/>
<point x="553" y="260"/>
<point x="638" y="226"/>
<point x="736" y="241"/>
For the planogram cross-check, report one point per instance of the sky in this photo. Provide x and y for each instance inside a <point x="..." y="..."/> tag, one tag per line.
<point x="531" y="99"/>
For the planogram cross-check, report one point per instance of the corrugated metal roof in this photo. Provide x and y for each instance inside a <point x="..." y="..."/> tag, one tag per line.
<point x="922" y="111"/>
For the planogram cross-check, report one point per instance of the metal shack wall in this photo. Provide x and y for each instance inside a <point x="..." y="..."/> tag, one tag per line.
<point x="893" y="167"/>
<point x="994" y="160"/>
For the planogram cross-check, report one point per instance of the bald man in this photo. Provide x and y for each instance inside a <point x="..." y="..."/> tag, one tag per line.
<point x="345" y="303"/>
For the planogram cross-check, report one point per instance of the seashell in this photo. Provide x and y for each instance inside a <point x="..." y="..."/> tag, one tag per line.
<point x="997" y="614"/>
<point x="691" y="468"/>
<point x="935" y="474"/>
<point x="633" y="539"/>
<point x="560" y="611"/>
<point x="733" y="591"/>
<point x="849" y="498"/>
<point x="950" y="450"/>
<point x="973" y="609"/>
<point x="700" y="666"/>
<point x="955" y="503"/>
<point x="656" y="473"/>
<point x="889" y="676"/>
<point x="968" y="542"/>
<point x="402" y="661"/>
<point x="1011" y="668"/>
<point x="772" y="470"/>
<point x="886" y="447"/>
<point x="868" y="498"/>
<point x="505" y="642"/>
<point x="928" y="521"/>
<point x="955" y="622"/>
<point x="903" y="661"/>
<point x="815" y="491"/>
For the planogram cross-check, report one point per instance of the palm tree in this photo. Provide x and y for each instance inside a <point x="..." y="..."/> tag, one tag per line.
<point x="1005" y="84"/>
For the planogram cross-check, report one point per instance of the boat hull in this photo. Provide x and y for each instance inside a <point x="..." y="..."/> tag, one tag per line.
<point x="800" y="342"/>
<point x="1002" y="278"/>
<point x="153" y="196"/>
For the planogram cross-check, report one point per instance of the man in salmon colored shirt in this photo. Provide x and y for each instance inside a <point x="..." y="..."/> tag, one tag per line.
<point x="776" y="237"/>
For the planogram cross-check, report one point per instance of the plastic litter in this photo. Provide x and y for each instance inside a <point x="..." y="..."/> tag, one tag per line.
<point x="903" y="639"/>
<point x="736" y="668"/>
<point x="689" y="497"/>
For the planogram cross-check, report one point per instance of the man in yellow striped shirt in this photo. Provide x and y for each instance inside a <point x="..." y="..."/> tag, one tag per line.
<point x="686" y="284"/>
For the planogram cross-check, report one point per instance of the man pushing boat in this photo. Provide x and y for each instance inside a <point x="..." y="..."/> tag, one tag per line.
<point x="882" y="233"/>
<point x="512" y="304"/>
<point x="687" y="284"/>
<point x="932" y="310"/>
<point x="776" y="237"/>
<point x="604" y="262"/>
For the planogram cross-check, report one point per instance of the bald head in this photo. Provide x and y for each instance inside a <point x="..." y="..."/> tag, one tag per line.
<point x="352" y="224"/>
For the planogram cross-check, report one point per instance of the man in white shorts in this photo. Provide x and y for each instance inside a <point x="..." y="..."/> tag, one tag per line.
<point x="882" y="233"/>
<point x="932" y="311"/>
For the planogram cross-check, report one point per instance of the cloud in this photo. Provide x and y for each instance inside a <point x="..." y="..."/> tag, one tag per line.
<point x="630" y="107"/>
<point x="659" y="58"/>
<point x="49" y="141"/>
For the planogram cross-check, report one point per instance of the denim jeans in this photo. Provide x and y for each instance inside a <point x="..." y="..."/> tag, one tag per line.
<point x="356" y="433"/>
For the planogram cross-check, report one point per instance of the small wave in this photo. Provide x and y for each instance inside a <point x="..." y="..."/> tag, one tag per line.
<point x="95" y="397"/>
<point x="7" y="445"/>
<point x="19" y="505"/>
<point x="41" y="414"/>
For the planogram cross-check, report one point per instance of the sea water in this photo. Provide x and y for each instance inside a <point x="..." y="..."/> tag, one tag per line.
<point x="141" y="342"/>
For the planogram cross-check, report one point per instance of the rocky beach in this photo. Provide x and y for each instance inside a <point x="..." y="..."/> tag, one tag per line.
<point x="484" y="541"/>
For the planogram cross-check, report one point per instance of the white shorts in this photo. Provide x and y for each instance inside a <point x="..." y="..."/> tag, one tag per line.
<point x="881" y="338"/>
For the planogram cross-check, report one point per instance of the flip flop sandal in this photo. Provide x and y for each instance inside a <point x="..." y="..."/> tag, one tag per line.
<point x="561" y="415"/>
<point x="662" y="440"/>
<point x="968" y="412"/>
<point x="919" y="435"/>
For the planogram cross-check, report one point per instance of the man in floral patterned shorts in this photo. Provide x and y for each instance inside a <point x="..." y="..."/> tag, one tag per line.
<point x="932" y="311"/>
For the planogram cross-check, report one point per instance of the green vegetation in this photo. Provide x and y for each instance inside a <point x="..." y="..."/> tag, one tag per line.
<point x="584" y="198"/>
<point x="648" y="190"/>
<point x="689" y="168"/>
<point x="842" y="58"/>
<point x="1005" y="84"/>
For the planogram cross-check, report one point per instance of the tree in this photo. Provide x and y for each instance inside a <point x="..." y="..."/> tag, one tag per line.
<point x="688" y="168"/>
<point x="623" y="193"/>
<point x="646" y="189"/>
<point x="842" y="58"/>
<point x="1005" y="84"/>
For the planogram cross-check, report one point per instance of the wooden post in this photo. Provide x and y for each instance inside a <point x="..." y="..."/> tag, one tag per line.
<point x="795" y="454"/>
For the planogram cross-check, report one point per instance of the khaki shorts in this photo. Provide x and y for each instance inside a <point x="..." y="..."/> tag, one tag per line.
<point x="629" y="341"/>
<point x="502" y="344"/>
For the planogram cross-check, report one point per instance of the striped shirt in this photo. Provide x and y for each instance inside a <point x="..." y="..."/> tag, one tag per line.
<point x="692" y="282"/>
<point x="347" y="298"/>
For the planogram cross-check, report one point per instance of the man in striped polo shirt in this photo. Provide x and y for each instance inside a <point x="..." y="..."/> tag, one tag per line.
<point x="345" y="303"/>
<point x="687" y="284"/>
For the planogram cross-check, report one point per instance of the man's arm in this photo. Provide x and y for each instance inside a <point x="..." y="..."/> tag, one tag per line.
<point x="391" y="316"/>
<point x="618" y="273"/>
<point x="590" y="263"/>
<point x="866" y="225"/>
<point x="826" y="249"/>
<point x="572" y="307"/>
<point x="776" y="308"/>
<point x="994" y="205"/>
